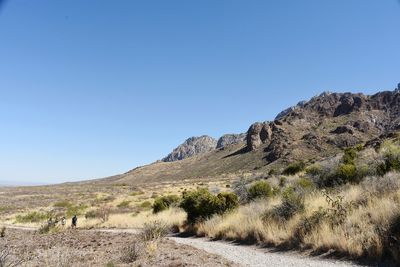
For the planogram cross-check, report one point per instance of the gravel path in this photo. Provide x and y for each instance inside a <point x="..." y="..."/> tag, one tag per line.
<point x="242" y="255"/>
<point x="252" y="256"/>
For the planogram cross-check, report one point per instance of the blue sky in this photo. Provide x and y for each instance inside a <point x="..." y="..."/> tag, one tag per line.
<point x="94" y="88"/>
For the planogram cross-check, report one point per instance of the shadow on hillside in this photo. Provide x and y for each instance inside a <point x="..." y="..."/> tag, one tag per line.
<point x="238" y="152"/>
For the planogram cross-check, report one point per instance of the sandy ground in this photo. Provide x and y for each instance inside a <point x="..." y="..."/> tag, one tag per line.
<point x="98" y="248"/>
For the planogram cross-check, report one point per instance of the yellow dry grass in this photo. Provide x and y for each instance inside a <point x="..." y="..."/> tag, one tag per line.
<point x="359" y="235"/>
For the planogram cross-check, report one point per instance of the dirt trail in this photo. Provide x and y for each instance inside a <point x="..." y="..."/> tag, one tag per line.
<point x="242" y="255"/>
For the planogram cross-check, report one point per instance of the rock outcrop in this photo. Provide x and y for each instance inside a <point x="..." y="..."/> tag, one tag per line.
<point x="258" y="133"/>
<point x="230" y="139"/>
<point x="191" y="147"/>
<point x="326" y="122"/>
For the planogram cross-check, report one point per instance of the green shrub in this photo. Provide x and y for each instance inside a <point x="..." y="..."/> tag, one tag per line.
<point x="305" y="183"/>
<point x="124" y="204"/>
<point x="228" y="201"/>
<point x="145" y="205"/>
<point x="391" y="157"/>
<point x="349" y="155"/>
<point x="62" y="204"/>
<point x="164" y="202"/>
<point x="201" y="204"/>
<point x="292" y="203"/>
<point x="314" y="170"/>
<point x="75" y="210"/>
<point x="260" y="189"/>
<point x="32" y="217"/>
<point x="92" y="214"/>
<point x="347" y="173"/>
<point x="294" y="168"/>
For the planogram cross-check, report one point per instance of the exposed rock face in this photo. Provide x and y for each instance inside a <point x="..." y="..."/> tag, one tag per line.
<point x="229" y="139"/>
<point x="343" y="129"/>
<point x="258" y="133"/>
<point x="290" y="109"/>
<point x="191" y="147"/>
<point x="326" y="122"/>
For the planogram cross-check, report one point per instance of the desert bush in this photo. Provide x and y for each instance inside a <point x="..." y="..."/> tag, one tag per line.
<point x="103" y="213"/>
<point x="154" y="230"/>
<point x="201" y="204"/>
<point x="228" y="201"/>
<point x="145" y="205"/>
<point x="134" y="251"/>
<point x="164" y="202"/>
<point x="45" y="228"/>
<point x="294" y="168"/>
<point x="380" y="185"/>
<point x="292" y="203"/>
<point x="308" y="224"/>
<point x="314" y="170"/>
<point x="259" y="189"/>
<point x="75" y="210"/>
<point x="3" y="232"/>
<point x="91" y="214"/>
<point x="305" y="184"/>
<point x="391" y="158"/>
<point x="240" y="189"/>
<point x="32" y="217"/>
<point x="62" y="204"/>
<point x="349" y="155"/>
<point x="124" y="204"/>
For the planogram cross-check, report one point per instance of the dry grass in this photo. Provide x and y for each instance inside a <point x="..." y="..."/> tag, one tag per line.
<point x="172" y="217"/>
<point x="363" y="233"/>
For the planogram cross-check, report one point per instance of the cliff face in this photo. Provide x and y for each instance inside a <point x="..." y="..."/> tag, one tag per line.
<point x="328" y="120"/>
<point x="191" y="147"/>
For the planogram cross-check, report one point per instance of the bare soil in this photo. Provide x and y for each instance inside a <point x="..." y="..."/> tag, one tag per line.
<point x="90" y="248"/>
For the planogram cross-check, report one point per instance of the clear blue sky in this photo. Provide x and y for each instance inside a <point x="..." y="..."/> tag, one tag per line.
<point x="94" y="88"/>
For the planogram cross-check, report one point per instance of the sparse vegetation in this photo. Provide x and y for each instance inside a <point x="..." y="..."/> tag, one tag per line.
<point x="259" y="189"/>
<point x="124" y="204"/>
<point x="201" y="204"/>
<point x="294" y="168"/>
<point x="32" y="217"/>
<point x="164" y="202"/>
<point x="2" y="232"/>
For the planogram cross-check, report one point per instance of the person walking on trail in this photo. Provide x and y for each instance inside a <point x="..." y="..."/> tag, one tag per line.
<point x="74" y="221"/>
<point x="63" y="221"/>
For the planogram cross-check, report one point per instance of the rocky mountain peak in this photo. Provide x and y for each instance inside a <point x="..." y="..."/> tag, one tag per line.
<point x="192" y="146"/>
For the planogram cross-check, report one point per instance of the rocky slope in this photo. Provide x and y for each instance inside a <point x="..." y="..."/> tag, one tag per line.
<point x="203" y="144"/>
<point x="192" y="146"/>
<point x="230" y="139"/>
<point x="318" y="128"/>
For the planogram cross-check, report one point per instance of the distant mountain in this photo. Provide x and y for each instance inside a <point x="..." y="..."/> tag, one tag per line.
<point x="318" y="128"/>
<point x="191" y="147"/>
<point x="230" y="139"/>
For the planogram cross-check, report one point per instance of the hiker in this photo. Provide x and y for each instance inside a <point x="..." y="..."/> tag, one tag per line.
<point x="63" y="221"/>
<point x="50" y="222"/>
<point x="74" y="221"/>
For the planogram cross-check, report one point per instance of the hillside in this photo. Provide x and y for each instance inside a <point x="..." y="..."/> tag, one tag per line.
<point x="318" y="128"/>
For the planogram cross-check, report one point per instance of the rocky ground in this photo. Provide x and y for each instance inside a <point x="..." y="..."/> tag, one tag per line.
<point x="92" y="248"/>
